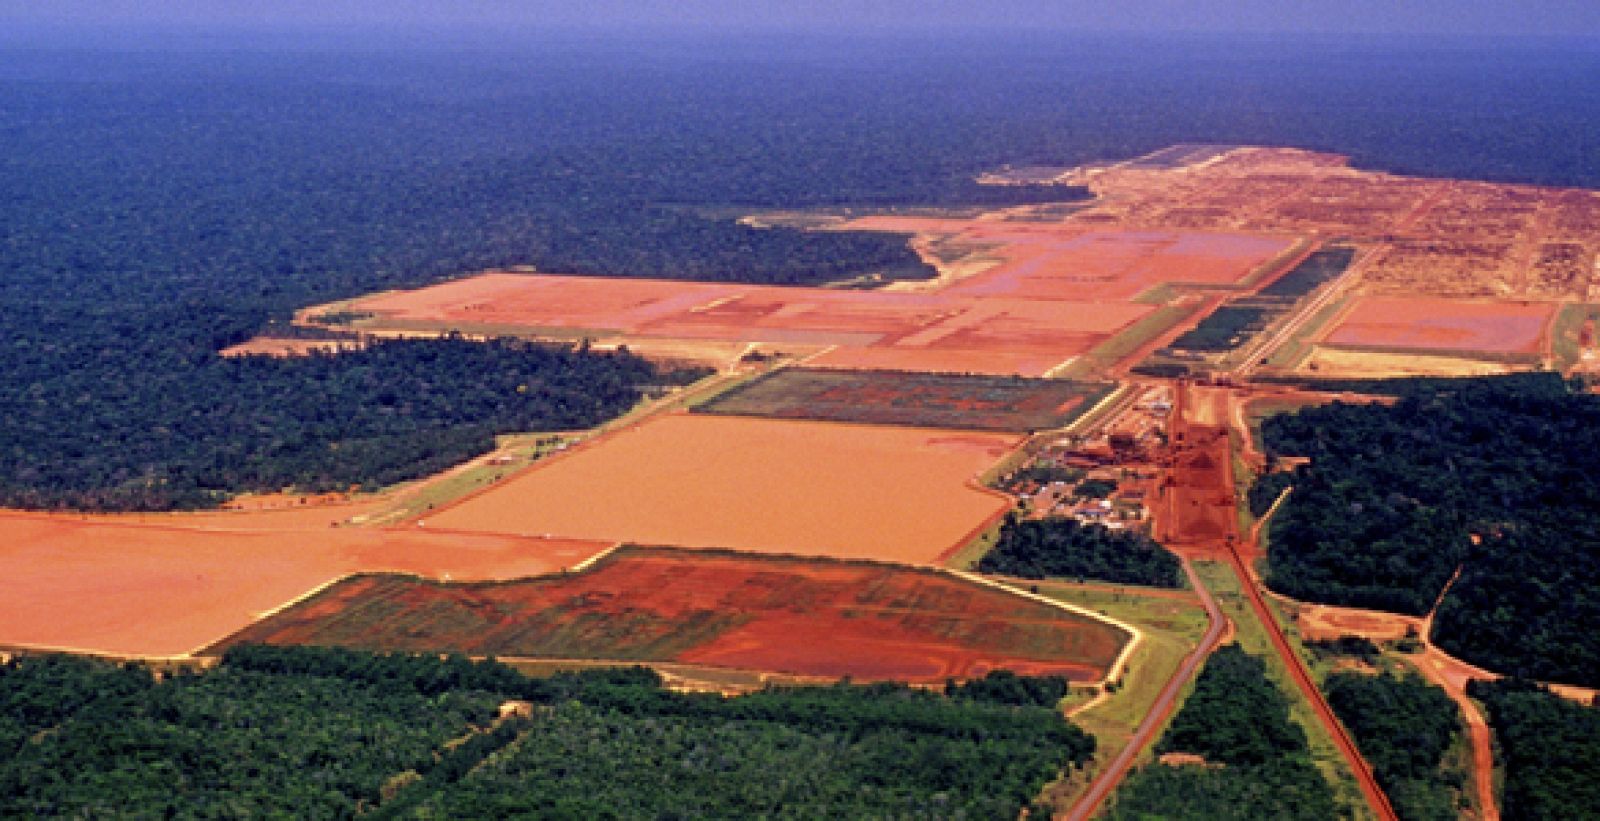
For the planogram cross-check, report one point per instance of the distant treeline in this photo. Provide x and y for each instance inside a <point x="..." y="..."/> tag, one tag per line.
<point x="150" y="221"/>
<point x="1488" y="476"/>
<point x="331" y="733"/>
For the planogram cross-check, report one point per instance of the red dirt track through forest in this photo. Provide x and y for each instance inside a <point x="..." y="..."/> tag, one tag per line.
<point x="1200" y="418"/>
<point x="1291" y="660"/>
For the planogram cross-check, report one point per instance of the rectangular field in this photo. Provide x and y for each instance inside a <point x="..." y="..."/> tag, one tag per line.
<point x="809" y="488"/>
<point x="114" y="585"/>
<point x="1119" y="265"/>
<point x="994" y="403"/>
<point x="1224" y="329"/>
<point x="1444" y="325"/>
<point x="778" y="614"/>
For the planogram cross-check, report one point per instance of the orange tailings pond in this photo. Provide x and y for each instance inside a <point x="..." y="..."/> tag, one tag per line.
<point x="809" y="488"/>
<point x="118" y="585"/>
<point x="1445" y="325"/>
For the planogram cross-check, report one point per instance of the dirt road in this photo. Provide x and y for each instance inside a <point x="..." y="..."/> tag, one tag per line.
<point x="1436" y="667"/>
<point x="1201" y="406"/>
<point x="1302" y="679"/>
<point x="1117" y="769"/>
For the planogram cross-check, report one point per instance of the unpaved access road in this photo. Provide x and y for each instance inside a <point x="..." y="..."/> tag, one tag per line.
<point x="1117" y="769"/>
<point x="1297" y="670"/>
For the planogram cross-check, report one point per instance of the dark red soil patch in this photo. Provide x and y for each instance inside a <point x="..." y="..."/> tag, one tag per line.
<point x="806" y="617"/>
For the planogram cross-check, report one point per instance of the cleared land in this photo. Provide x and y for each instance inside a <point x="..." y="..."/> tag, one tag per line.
<point x="922" y="331"/>
<point x="1197" y="509"/>
<point x="1338" y="363"/>
<point x="1119" y="265"/>
<point x="115" y="585"/>
<point x="808" y="488"/>
<point x="1010" y="404"/>
<point x="275" y="346"/>
<point x="1445" y="325"/>
<point x="1047" y="293"/>
<point x="1439" y="237"/>
<point x="789" y="615"/>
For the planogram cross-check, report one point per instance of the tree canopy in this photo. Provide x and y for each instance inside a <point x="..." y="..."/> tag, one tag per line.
<point x="1256" y="762"/>
<point x="1067" y="548"/>
<point x="335" y="733"/>
<point x="1485" y="477"/>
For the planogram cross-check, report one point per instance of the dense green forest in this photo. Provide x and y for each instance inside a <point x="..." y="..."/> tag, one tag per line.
<point x="328" y="421"/>
<point x="1549" y="747"/>
<point x="1404" y="726"/>
<point x="314" y="732"/>
<point x="1486" y="476"/>
<point x="1066" y="548"/>
<point x="1399" y="386"/>
<point x="234" y="742"/>
<point x="1257" y="764"/>
<point x="1006" y="687"/>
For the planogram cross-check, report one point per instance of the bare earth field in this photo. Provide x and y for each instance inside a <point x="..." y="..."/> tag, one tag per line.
<point x="810" y="488"/>
<point x="275" y="346"/>
<point x="1438" y="237"/>
<point x="942" y="332"/>
<point x="803" y="617"/>
<point x="1336" y="362"/>
<point x="1058" y="292"/>
<point x="115" y="585"/>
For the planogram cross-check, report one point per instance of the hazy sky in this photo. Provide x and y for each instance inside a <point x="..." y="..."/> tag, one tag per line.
<point x="1579" y="18"/>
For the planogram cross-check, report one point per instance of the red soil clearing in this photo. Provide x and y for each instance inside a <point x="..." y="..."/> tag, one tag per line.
<point x="1060" y="292"/>
<point x="1321" y="622"/>
<point x="808" y="488"/>
<point x="1198" y="509"/>
<point x="1444" y="324"/>
<point x="112" y="585"/>
<point x="980" y="332"/>
<point x="803" y="617"/>
<point x="1118" y="265"/>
